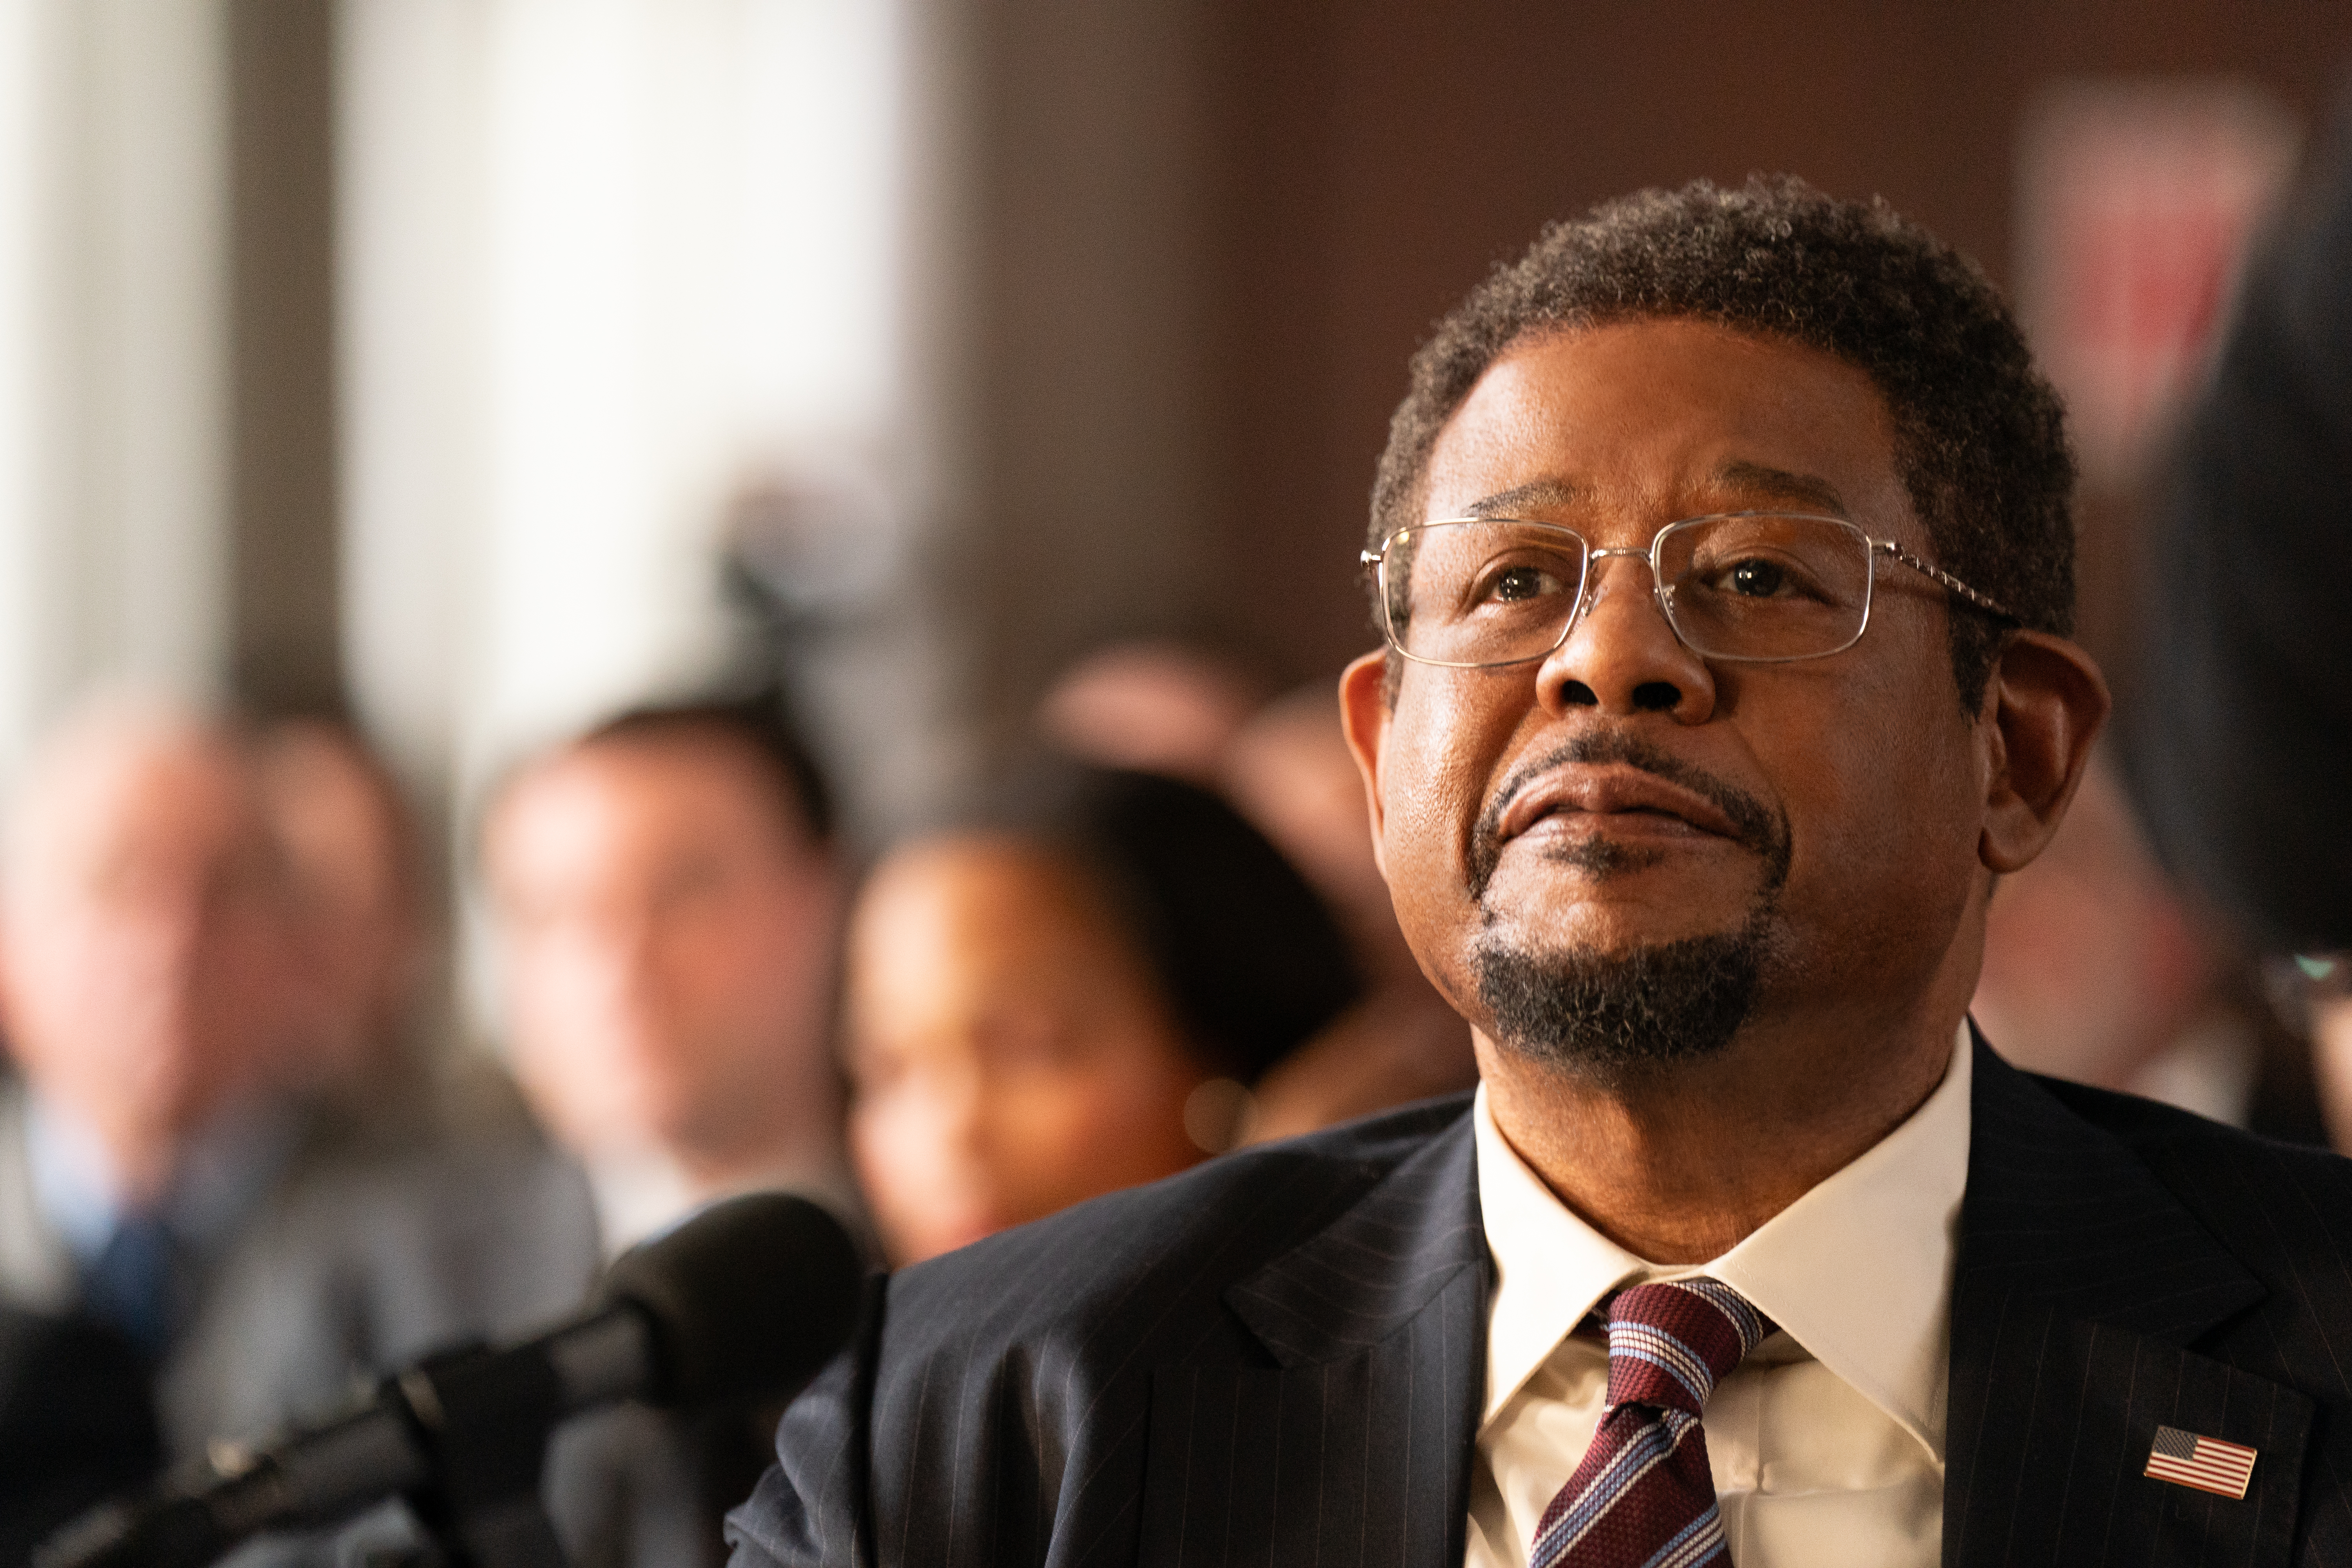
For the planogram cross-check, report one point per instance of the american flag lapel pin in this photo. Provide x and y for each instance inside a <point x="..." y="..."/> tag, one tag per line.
<point x="2206" y="1463"/>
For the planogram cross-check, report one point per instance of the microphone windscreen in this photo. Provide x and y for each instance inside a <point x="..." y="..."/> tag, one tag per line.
<point x="747" y="1299"/>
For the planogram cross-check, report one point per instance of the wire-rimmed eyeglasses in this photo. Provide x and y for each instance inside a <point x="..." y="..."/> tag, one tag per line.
<point x="1756" y="587"/>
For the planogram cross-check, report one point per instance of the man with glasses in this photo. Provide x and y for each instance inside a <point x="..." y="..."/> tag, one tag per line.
<point x="1723" y="554"/>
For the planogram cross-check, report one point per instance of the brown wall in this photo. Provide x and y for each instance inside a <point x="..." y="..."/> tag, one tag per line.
<point x="1208" y="233"/>
<point x="1338" y="174"/>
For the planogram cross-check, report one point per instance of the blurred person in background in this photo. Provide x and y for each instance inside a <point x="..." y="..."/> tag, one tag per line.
<point x="166" y="1166"/>
<point x="351" y="859"/>
<point x="2238" y="737"/>
<point x="1288" y="769"/>
<point x="2094" y="968"/>
<point x="1187" y="712"/>
<point x="1069" y="992"/>
<point x="665" y="894"/>
<point x="2097" y="968"/>
<point x="1154" y="706"/>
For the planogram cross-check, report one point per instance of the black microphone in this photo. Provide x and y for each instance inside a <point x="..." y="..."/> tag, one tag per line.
<point x="745" y="1299"/>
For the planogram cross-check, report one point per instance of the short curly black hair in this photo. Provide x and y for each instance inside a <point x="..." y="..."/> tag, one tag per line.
<point x="1981" y="437"/>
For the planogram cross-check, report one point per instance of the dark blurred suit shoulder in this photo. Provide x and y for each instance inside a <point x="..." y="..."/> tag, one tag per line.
<point x="374" y="1242"/>
<point x="1281" y="1357"/>
<point x="77" y="1422"/>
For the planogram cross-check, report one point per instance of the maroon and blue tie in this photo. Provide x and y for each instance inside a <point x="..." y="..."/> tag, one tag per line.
<point x="1644" y="1497"/>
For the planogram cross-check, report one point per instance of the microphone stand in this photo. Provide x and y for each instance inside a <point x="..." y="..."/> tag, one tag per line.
<point x="751" y="1296"/>
<point x="485" y="1421"/>
<point x="461" y="1436"/>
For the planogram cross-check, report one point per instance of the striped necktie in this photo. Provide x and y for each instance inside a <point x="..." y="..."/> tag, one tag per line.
<point x="1644" y="1497"/>
<point x="133" y="1284"/>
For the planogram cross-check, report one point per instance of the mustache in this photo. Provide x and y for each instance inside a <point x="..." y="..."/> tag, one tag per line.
<point x="1755" y="825"/>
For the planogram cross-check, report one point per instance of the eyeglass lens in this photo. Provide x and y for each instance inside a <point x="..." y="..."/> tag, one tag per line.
<point x="1747" y="585"/>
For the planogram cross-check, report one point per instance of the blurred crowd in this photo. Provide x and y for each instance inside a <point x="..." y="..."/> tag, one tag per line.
<point x="245" y="1165"/>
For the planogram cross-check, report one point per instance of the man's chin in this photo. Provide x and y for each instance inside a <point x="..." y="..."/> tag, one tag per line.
<point x="1615" y="1008"/>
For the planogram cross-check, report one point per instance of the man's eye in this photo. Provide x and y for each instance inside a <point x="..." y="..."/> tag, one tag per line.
<point x="1518" y="585"/>
<point x="1758" y="579"/>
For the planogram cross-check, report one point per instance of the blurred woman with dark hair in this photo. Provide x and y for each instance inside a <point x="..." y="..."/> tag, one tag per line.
<point x="1069" y="992"/>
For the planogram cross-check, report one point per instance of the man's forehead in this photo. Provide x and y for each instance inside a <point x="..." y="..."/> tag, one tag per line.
<point x="683" y="793"/>
<point x="1732" y="419"/>
<point x="1812" y="492"/>
<point x="194" y="797"/>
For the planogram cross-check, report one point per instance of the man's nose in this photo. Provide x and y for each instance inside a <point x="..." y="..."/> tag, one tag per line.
<point x="1621" y="655"/>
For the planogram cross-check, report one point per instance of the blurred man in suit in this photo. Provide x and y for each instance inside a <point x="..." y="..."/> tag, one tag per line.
<point x="349" y="847"/>
<point x="667" y="901"/>
<point x="162" y="1167"/>
<point x="1724" y="551"/>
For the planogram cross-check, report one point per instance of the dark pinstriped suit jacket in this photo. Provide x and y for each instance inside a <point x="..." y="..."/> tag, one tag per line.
<point x="1279" y="1359"/>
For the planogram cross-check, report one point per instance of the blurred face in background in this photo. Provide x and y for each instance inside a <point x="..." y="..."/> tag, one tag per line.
<point x="2092" y="966"/>
<point x="2331" y="1039"/>
<point x="146" y="965"/>
<point x="348" y="853"/>
<point x="666" y="936"/>
<point x="1009" y="1052"/>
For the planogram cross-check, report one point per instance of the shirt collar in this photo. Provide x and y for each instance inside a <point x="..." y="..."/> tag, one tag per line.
<point x="73" y="1183"/>
<point x="1857" y="1271"/>
<point x="223" y="1174"/>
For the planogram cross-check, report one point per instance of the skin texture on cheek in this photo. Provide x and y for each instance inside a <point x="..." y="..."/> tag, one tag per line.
<point x="1884" y="865"/>
<point x="1424" y="833"/>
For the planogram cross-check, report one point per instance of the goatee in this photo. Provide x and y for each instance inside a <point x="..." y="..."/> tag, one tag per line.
<point x="1625" y="1013"/>
<point x="1612" y="1014"/>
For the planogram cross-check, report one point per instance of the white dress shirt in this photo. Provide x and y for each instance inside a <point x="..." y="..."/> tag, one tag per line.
<point x="1827" y="1443"/>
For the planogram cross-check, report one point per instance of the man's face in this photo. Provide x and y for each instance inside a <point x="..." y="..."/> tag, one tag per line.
<point x="146" y="961"/>
<point x="665" y="941"/>
<point x="1622" y="801"/>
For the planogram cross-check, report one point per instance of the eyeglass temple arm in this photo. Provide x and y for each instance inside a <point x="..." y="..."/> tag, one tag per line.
<point x="1984" y="601"/>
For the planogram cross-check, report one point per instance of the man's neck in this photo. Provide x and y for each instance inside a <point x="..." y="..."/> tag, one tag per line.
<point x="641" y="1192"/>
<point x="89" y="1176"/>
<point x="785" y="1123"/>
<point x="709" y="1172"/>
<point x="1680" y="1164"/>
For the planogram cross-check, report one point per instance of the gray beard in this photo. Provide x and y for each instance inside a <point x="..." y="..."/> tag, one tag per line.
<point x="1613" y="1016"/>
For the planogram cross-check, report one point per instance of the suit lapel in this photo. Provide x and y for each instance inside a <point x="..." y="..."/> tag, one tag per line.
<point x="2079" y="1281"/>
<point x="1354" y="1449"/>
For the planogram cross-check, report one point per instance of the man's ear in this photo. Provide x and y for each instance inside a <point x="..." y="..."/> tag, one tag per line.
<point x="1364" y="713"/>
<point x="2045" y="706"/>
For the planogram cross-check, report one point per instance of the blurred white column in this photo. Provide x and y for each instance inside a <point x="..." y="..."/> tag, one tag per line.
<point x="113" y="351"/>
<point x="607" y="264"/>
<point x="413" y="311"/>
